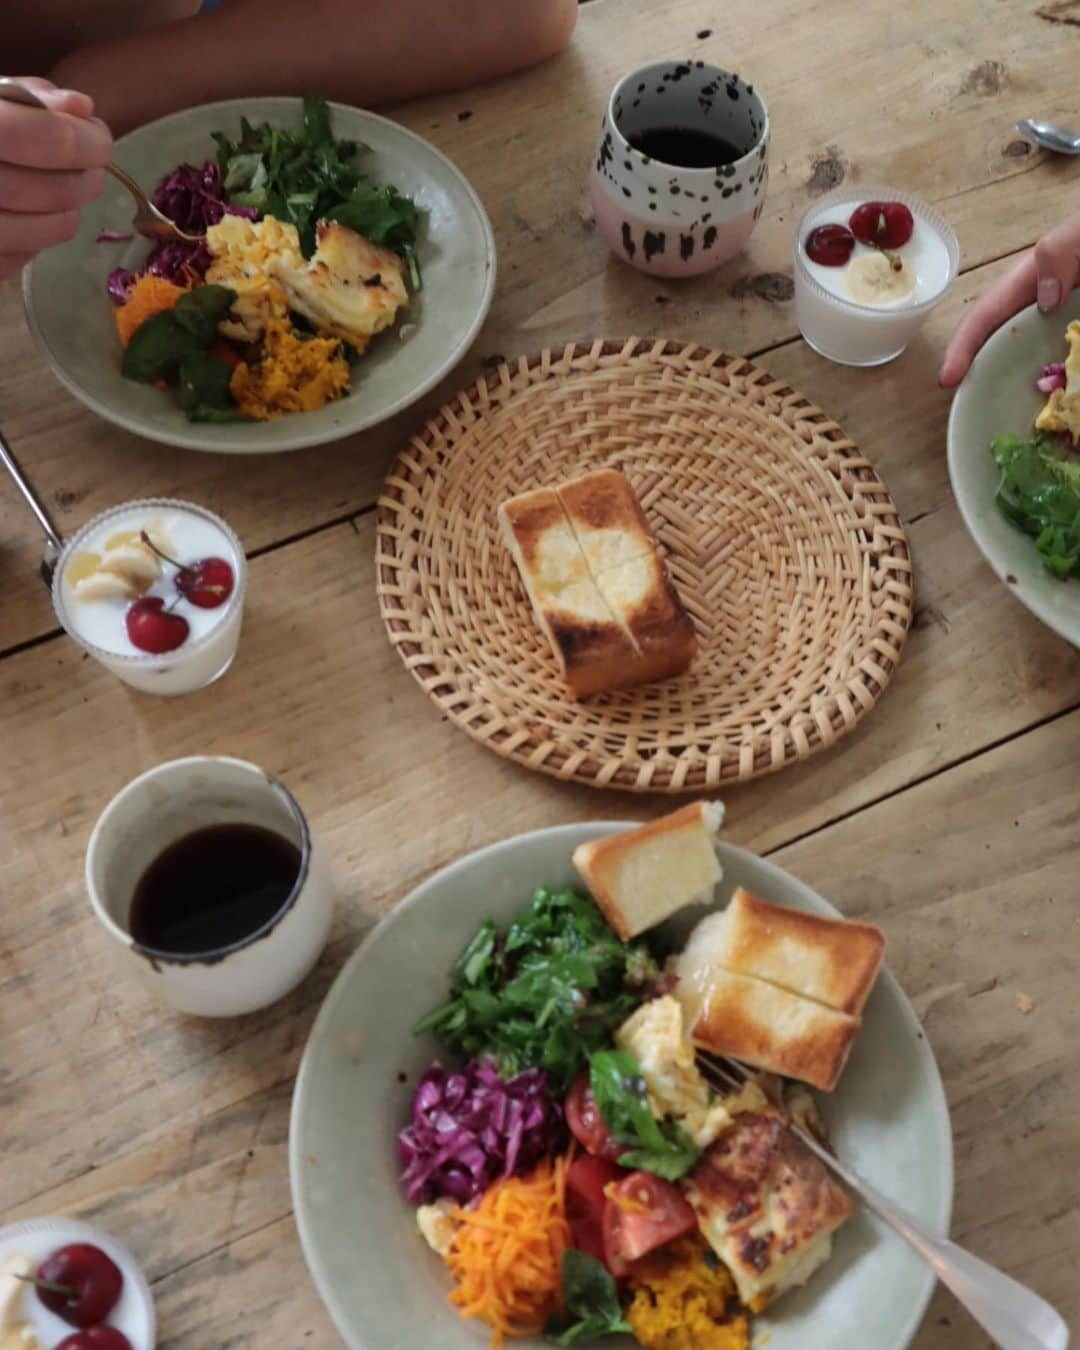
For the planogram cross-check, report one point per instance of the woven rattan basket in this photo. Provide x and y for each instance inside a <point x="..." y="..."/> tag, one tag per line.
<point x="782" y="541"/>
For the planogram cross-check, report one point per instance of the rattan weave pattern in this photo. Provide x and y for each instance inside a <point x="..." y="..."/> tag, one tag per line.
<point x="782" y="541"/>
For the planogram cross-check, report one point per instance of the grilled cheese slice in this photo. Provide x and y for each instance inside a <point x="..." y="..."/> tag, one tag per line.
<point x="1062" y="409"/>
<point x="832" y="961"/>
<point x="642" y="876"/>
<point x="350" y="288"/>
<point x="593" y="529"/>
<point x="766" y="1205"/>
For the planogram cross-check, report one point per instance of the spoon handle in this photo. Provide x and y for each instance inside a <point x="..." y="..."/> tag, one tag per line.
<point x="55" y="542"/>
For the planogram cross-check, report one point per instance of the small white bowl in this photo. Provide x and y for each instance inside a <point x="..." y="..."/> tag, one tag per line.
<point x="38" y="1238"/>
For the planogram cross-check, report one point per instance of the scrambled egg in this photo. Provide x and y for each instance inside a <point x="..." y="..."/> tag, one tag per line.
<point x="437" y="1224"/>
<point x="349" y="288"/>
<point x="684" y="1300"/>
<point x="243" y="252"/>
<point x="654" y="1035"/>
<point x="290" y="374"/>
<point x="1062" y="411"/>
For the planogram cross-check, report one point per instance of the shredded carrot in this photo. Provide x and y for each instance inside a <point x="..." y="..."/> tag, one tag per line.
<point x="507" y="1253"/>
<point x="148" y="296"/>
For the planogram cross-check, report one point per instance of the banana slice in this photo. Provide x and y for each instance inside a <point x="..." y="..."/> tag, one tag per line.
<point x="11" y="1286"/>
<point x="19" y="1336"/>
<point x="874" y="279"/>
<point x="105" y="586"/>
<point x="135" y="563"/>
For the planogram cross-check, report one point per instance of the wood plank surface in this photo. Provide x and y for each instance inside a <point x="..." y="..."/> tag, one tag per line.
<point x="949" y="816"/>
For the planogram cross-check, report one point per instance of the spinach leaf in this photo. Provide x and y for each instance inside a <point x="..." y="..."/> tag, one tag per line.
<point x="1039" y="492"/>
<point x="662" y="1147"/>
<point x="592" y="1300"/>
<point x="545" y="994"/>
<point x="157" y="347"/>
<point x="204" y="389"/>
<point x="201" y="310"/>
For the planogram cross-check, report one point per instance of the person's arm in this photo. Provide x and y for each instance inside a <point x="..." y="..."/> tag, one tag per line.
<point x="1046" y="273"/>
<point x="357" y="51"/>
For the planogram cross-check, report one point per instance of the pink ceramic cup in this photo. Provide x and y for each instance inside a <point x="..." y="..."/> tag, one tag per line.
<point x="668" y="220"/>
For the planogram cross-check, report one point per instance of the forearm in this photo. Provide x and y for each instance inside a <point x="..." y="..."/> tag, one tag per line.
<point x="358" y="51"/>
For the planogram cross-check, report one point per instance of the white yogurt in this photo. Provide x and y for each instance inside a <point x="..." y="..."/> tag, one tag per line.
<point x="187" y="533"/>
<point x="855" y="334"/>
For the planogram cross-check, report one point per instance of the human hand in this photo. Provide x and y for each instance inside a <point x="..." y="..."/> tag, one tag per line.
<point x="51" y="165"/>
<point x="1046" y="273"/>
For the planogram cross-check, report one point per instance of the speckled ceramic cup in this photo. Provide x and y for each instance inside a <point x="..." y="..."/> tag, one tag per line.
<point x="668" y="220"/>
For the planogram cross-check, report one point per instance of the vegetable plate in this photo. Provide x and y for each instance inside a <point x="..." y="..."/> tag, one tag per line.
<point x="445" y="1071"/>
<point x="346" y="267"/>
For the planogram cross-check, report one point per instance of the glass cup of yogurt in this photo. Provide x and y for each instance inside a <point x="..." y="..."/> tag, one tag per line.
<point x="870" y="265"/>
<point x="154" y="589"/>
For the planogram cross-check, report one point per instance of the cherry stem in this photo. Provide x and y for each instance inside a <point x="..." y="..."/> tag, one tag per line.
<point x="68" y="1290"/>
<point x="180" y="567"/>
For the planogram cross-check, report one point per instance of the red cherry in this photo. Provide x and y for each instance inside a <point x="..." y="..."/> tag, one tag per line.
<point x="79" y="1283"/>
<point x="830" y="245"/>
<point x="882" y="224"/>
<point x="152" y="629"/>
<point x="206" y="583"/>
<point x="95" y="1338"/>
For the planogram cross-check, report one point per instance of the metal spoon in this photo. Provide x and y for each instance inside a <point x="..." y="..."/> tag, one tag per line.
<point x="1050" y="136"/>
<point x="148" y="220"/>
<point x="54" y="542"/>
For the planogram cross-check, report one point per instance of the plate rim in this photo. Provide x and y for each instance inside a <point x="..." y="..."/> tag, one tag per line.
<point x="417" y="895"/>
<point x="954" y="453"/>
<point x="218" y="442"/>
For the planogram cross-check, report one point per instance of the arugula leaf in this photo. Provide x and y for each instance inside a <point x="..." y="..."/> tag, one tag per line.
<point x="662" y="1147"/>
<point x="1039" y="492"/>
<point x="592" y="1299"/>
<point x="547" y="993"/>
<point x="386" y="217"/>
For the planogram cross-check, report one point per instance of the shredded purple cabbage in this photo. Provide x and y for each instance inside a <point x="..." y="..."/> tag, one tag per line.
<point x="1053" y="377"/>
<point x="194" y="199"/>
<point x="472" y="1127"/>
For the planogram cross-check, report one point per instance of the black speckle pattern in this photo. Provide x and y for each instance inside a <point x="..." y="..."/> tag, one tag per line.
<point x="709" y="237"/>
<point x="732" y="91"/>
<point x="628" y="240"/>
<point x="626" y="192"/>
<point x="686" y="247"/>
<point x="702" y="35"/>
<point x="628" y="165"/>
<point x="653" y="244"/>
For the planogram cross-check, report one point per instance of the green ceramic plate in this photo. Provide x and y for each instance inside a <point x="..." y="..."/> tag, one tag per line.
<point x="386" y="1291"/>
<point x="70" y="314"/>
<point x="999" y="395"/>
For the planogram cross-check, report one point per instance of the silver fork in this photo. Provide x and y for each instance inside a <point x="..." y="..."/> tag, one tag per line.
<point x="1015" y="1316"/>
<point x="147" y="220"/>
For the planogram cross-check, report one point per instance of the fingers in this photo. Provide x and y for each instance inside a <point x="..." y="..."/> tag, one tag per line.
<point x="31" y="232"/>
<point x="1057" y="263"/>
<point x="34" y="139"/>
<point x="11" y="263"/>
<point x="1007" y="296"/>
<point x="24" y="190"/>
<point x="59" y="100"/>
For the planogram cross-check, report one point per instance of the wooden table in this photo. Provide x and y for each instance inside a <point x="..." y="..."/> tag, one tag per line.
<point x="950" y="817"/>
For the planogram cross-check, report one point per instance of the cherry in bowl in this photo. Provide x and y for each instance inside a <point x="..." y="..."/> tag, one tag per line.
<point x="882" y="224"/>
<point x="152" y="628"/>
<point x="80" y="1284"/>
<point x="96" y="1338"/>
<point x="830" y="245"/>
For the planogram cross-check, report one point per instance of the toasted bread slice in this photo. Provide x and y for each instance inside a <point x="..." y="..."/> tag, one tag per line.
<point x="645" y="603"/>
<point x="761" y="1024"/>
<point x="832" y="961"/>
<point x="766" y="1206"/>
<point x="607" y="518"/>
<point x="640" y="877"/>
<point x="592" y="649"/>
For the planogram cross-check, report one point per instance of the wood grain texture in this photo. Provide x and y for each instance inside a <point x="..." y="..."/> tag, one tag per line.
<point x="949" y="816"/>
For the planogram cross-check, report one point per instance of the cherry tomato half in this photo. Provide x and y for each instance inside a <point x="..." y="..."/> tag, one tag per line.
<point x="643" y="1212"/>
<point x="586" y="1123"/>
<point x="586" y="1202"/>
